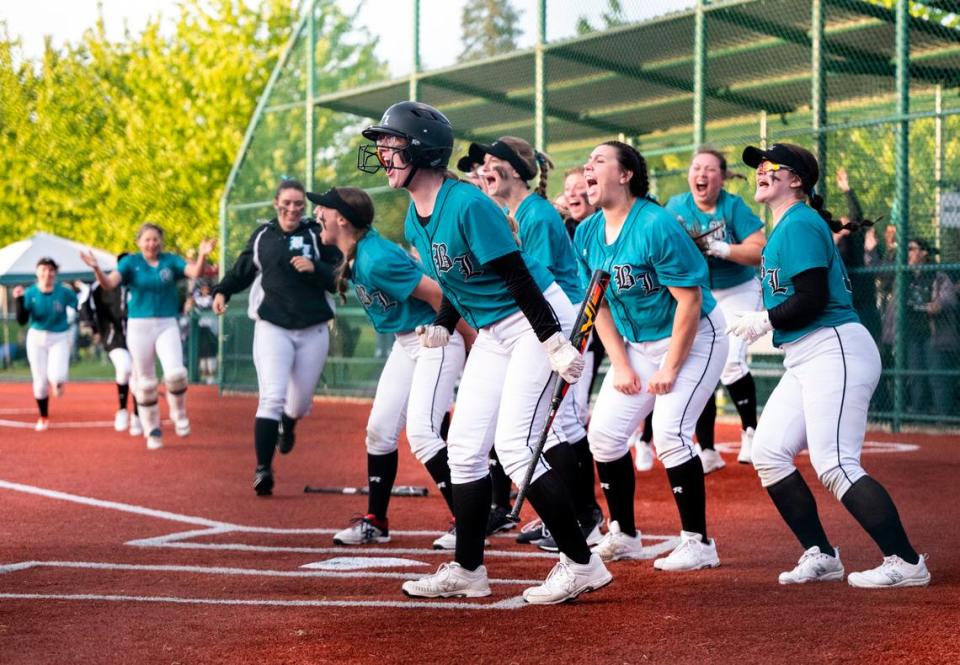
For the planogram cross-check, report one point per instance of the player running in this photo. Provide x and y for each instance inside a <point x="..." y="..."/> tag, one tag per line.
<point x="832" y="368"/>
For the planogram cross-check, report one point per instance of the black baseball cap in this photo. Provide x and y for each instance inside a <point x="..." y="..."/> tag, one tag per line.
<point x="331" y="199"/>
<point x="502" y="151"/>
<point x="800" y="160"/>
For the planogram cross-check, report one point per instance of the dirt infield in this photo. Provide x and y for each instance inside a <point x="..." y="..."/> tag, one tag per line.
<point x="110" y="553"/>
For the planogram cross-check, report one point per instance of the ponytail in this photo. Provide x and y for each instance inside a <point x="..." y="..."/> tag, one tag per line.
<point x="345" y="272"/>
<point x="545" y="165"/>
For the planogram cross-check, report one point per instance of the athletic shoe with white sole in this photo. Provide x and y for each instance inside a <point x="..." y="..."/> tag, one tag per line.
<point x="711" y="460"/>
<point x="617" y="545"/>
<point x="121" y="421"/>
<point x="690" y="554"/>
<point x="497" y="521"/>
<point x="136" y="429"/>
<point x="815" y="566"/>
<point x="531" y="532"/>
<point x="182" y="427"/>
<point x="643" y="458"/>
<point x="363" y="530"/>
<point x="448" y="541"/>
<point x="450" y="581"/>
<point x="155" y="440"/>
<point x="263" y="481"/>
<point x="591" y="527"/>
<point x="42" y="425"/>
<point x="892" y="573"/>
<point x="746" y="446"/>
<point x="568" y="580"/>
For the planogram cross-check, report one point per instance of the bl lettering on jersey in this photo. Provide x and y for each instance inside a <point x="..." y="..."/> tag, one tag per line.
<point x="626" y="280"/>
<point x="443" y="262"/>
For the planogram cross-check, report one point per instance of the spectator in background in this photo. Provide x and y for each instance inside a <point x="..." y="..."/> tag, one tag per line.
<point x="853" y="252"/>
<point x="208" y="327"/>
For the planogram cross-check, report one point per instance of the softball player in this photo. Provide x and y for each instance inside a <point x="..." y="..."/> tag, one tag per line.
<point x="832" y="368"/>
<point x="733" y="252"/>
<point x="521" y="315"/>
<point x="417" y="383"/>
<point x="44" y="305"/>
<point x="150" y="277"/>
<point x="509" y="164"/>
<point x="664" y="336"/>
<point x="289" y="271"/>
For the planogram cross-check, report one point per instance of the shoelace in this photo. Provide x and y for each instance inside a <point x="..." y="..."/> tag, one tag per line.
<point x="531" y="526"/>
<point x="561" y="576"/>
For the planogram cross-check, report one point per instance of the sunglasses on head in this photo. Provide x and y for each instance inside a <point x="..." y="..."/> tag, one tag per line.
<point x="767" y="166"/>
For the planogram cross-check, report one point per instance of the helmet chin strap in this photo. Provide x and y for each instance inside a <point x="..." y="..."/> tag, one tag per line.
<point x="413" y="172"/>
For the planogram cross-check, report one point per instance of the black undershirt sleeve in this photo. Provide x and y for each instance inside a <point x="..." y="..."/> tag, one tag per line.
<point x="810" y="297"/>
<point x="447" y="315"/>
<point x="528" y="297"/>
<point x="22" y="314"/>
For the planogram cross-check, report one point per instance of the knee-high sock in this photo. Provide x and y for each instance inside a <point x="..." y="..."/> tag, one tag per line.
<point x="706" y="423"/>
<point x="618" y="482"/>
<point x="647" y="435"/>
<point x="798" y="508"/>
<point x="743" y="392"/>
<point x="686" y="481"/>
<point x="265" y="439"/>
<point x="501" y="483"/>
<point x="564" y="461"/>
<point x="585" y="496"/>
<point x="471" y="507"/>
<point x="43" y="405"/>
<point x="871" y="505"/>
<point x="549" y="497"/>
<point x="381" y="474"/>
<point x="123" y="393"/>
<point x="439" y="469"/>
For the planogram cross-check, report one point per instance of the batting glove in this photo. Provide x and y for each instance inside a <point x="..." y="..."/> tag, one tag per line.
<point x="565" y="360"/>
<point x="433" y="337"/>
<point x="718" y="248"/>
<point x="750" y="326"/>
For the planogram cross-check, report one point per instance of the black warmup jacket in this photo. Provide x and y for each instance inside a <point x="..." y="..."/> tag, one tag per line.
<point x="106" y="312"/>
<point x="289" y="299"/>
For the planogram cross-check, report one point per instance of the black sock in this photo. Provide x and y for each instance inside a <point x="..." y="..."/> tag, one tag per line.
<point x="289" y="424"/>
<point x="501" y="483"/>
<point x="618" y="480"/>
<point x="44" y="406"/>
<point x="471" y="507"/>
<point x="550" y="498"/>
<point x="381" y="472"/>
<point x="123" y="392"/>
<point x="585" y="497"/>
<point x="686" y="481"/>
<point x="564" y="461"/>
<point x="265" y="439"/>
<point x="647" y="435"/>
<point x="439" y="469"/>
<point x="136" y="408"/>
<point x="706" y="423"/>
<point x="743" y="392"/>
<point x="445" y="426"/>
<point x="798" y="508"/>
<point x="872" y="507"/>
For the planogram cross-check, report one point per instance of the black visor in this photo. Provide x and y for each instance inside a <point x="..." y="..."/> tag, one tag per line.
<point x="331" y="199"/>
<point x="502" y="151"/>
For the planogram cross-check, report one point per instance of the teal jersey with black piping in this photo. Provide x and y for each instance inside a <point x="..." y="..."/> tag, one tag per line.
<point x="152" y="289"/>
<point x="739" y="222"/>
<point x="48" y="311"/>
<point x="651" y="253"/>
<point x="384" y="278"/>
<point x="802" y="240"/>
<point x="544" y="237"/>
<point x="465" y="232"/>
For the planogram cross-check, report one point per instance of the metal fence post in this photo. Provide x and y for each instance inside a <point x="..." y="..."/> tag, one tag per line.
<point x="901" y="202"/>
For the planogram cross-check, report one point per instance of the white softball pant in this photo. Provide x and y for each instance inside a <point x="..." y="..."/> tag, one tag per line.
<point x="570" y="425"/>
<point x="616" y="415"/>
<point x="820" y="404"/>
<point x="147" y="340"/>
<point x="504" y="396"/>
<point x="49" y="356"/>
<point x="122" y="365"/>
<point x="746" y="297"/>
<point x="416" y="388"/>
<point x="289" y="364"/>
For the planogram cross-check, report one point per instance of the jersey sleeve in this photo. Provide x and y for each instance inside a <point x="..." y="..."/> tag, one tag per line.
<point x="675" y="257"/>
<point x="396" y="274"/>
<point x="582" y="253"/>
<point x="745" y="222"/>
<point x="178" y="265"/>
<point x="806" y="246"/>
<point x="70" y="299"/>
<point x="125" y="268"/>
<point x="485" y="230"/>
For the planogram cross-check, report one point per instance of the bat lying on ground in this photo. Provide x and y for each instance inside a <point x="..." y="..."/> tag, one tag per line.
<point x="398" y="490"/>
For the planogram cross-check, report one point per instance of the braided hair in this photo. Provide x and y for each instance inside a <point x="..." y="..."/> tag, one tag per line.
<point x="361" y="202"/>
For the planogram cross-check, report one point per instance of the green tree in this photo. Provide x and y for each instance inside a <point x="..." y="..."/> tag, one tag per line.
<point x="612" y="17"/>
<point x="489" y="27"/>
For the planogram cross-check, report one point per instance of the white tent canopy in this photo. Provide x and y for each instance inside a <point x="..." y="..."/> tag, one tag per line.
<point x="18" y="261"/>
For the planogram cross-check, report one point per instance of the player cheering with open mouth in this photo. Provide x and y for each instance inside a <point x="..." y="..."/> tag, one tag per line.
<point x="522" y="317"/>
<point x="832" y="368"/>
<point x="664" y="336"/>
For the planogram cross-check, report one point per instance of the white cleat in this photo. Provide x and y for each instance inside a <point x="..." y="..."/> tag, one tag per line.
<point x="155" y="440"/>
<point x="746" y="446"/>
<point x="447" y="541"/>
<point x="711" y="460"/>
<point x="136" y="429"/>
<point x="815" y="566"/>
<point x="450" y="581"/>
<point x="182" y="427"/>
<point x="568" y="580"/>
<point x="644" y="453"/>
<point x="121" y="421"/>
<point x="690" y="554"/>
<point x="617" y="545"/>
<point x="42" y="425"/>
<point x="892" y="573"/>
<point x="363" y="530"/>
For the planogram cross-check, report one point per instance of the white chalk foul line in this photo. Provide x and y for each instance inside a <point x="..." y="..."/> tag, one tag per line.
<point x="19" y="424"/>
<point x="380" y="551"/>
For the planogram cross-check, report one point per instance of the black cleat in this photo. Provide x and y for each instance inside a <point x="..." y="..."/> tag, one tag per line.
<point x="263" y="481"/>
<point x="498" y="520"/>
<point x="285" y="436"/>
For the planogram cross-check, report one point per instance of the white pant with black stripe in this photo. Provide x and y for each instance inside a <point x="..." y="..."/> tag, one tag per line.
<point x="416" y="389"/>
<point x="616" y="415"/>
<point x="504" y="396"/>
<point x="289" y="364"/>
<point x="820" y="404"/>
<point x="570" y="424"/>
<point x="49" y="356"/>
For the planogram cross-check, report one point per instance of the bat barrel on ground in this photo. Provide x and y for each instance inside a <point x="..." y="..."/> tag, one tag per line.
<point x="580" y="337"/>
<point x="398" y="490"/>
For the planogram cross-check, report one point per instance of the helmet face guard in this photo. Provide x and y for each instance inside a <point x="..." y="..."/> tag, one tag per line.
<point x="370" y="159"/>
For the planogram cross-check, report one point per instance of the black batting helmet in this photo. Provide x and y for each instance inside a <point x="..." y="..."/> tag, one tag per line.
<point x="427" y="131"/>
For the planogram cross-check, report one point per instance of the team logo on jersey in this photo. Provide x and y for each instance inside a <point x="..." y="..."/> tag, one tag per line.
<point x="774" y="277"/>
<point x="369" y="298"/>
<point x="296" y="242"/>
<point x="443" y="262"/>
<point x="166" y="275"/>
<point x="625" y="280"/>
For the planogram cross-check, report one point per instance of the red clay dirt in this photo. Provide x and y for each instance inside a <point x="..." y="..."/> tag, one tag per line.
<point x="165" y="614"/>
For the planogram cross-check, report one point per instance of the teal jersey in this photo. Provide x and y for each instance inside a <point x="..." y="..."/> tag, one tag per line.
<point x="801" y="241"/>
<point x="465" y="232"/>
<point x="544" y="237"/>
<point x="384" y="278"/>
<point x="651" y="253"/>
<point x="152" y="290"/>
<point x="48" y="311"/>
<point x="739" y="222"/>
